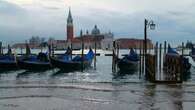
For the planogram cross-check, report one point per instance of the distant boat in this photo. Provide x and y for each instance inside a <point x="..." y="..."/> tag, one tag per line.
<point x="35" y="62"/>
<point x="129" y="63"/>
<point x="65" y="62"/>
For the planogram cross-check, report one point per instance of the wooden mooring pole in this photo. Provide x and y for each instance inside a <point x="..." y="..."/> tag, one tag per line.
<point x="160" y="58"/>
<point x="143" y="64"/>
<point x="9" y="50"/>
<point x="165" y="47"/>
<point x="140" y="61"/>
<point x="82" y="53"/>
<point x="117" y="50"/>
<point x="49" y="49"/>
<point x="114" y="57"/>
<point x="95" y="54"/>
<point x="156" y="53"/>
<point x="52" y="46"/>
<point x="21" y="50"/>
<point x="164" y="54"/>
<point x="182" y="49"/>
<point x="0" y="48"/>
<point x="71" y="49"/>
<point x="182" y="69"/>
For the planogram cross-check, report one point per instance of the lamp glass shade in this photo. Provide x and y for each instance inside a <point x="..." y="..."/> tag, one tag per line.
<point x="152" y="26"/>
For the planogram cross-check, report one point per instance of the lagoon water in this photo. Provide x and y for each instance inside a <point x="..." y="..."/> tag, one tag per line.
<point x="98" y="89"/>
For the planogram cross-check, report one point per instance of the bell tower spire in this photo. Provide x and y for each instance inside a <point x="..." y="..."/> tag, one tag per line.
<point x="70" y="29"/>
<point x="69" y="20"/>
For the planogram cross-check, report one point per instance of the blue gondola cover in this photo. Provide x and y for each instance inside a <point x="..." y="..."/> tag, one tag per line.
<point x="171" y="51"/>
<point x="132" y="56"/>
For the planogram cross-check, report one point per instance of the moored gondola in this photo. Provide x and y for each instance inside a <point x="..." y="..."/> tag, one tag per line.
<point x="34" y="62"/>
<point x="185" y="61"/>
<point x="8" y="61"/>
<point x="129" y="63"/>
<point x="192" y="53"/>
<point x="67" y="64"/>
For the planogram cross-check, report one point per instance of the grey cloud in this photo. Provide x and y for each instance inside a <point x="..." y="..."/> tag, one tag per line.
<point x="178" y="13"/>
<point x="51" y="8"/>
<point x="7" y="8"/>
<point x="47" y="23"/>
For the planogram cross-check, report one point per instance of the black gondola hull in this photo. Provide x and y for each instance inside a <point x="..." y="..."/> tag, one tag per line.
<point x="8" y="65"/>
<point x="69" y="66"/>
<point x="34" y="66"/>
<point x="128" y="67"/>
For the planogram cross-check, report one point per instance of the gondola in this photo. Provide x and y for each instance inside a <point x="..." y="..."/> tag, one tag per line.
<point x="192" y="53"/>
<point x="34" y="62"/>
<point x="129" y="63"/>
<point x="8" y="61"/>
<point x="67" y="64"/>
<point x="185" y="61"/>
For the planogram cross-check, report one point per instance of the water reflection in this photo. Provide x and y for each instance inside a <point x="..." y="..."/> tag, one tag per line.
<point x="6" y="71"/>
<point x="187" y="76"/>
<point x="124" y="74"/>
<point x="175" y="96"/>
<point x="148" y="98"/>
<point x="24" y="74"/>
<point x="59" y="73"/>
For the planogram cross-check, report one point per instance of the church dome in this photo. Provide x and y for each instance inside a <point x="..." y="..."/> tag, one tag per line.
<point x="95" y="31"/>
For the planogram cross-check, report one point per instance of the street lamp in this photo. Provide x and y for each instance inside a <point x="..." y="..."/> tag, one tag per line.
<point x="147" y="24"/>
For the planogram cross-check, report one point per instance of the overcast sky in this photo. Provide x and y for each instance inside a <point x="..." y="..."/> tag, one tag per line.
<point x="21" y="19"/>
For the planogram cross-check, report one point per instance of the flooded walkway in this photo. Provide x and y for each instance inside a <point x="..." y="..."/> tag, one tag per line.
<point x="98" y="96"/>
<point x="91" y="90"/>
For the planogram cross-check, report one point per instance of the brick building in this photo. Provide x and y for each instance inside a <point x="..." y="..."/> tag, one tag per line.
<point x="126" y="43"/>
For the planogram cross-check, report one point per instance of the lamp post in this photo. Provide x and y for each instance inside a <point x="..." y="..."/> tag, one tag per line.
<point x="150" y="25"/>
<point x="147" y="24"/>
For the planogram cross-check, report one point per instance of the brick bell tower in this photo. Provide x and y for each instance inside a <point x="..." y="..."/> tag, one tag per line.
<point x="70" y="29"/>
